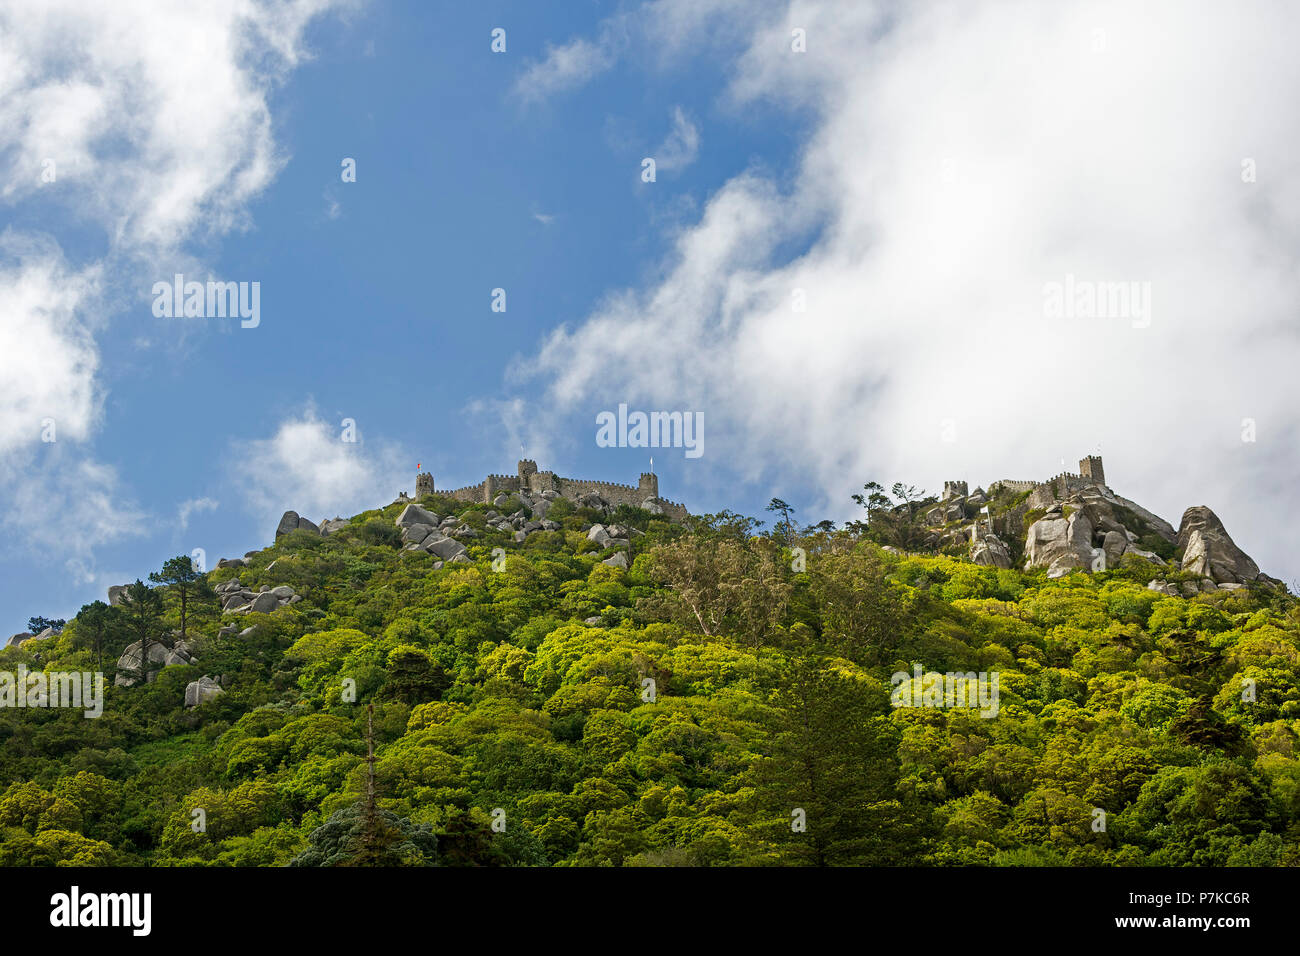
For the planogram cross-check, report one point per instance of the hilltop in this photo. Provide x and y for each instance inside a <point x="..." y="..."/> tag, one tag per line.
<point x="553" y="680"/>
<point x="1070" y="522"/>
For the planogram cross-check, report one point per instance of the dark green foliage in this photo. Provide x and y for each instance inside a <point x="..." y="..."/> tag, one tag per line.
<point x="471" y="716"/>
<point x="343" y="840"/>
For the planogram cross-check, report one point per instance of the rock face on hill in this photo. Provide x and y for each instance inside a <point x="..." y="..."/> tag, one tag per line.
<point x="160" y="656"/>
<point x="235" y="597"/>
<point x="1091" y="530"/>
<point x="989" y="550"/>
<point x="201" y="691"/>
<point x="1076" y="522"/>
<point x="1210" y="552"/>
<point x="291" y="521"/>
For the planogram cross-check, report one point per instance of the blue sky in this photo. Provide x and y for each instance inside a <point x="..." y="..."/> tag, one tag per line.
<point x="918" y="210"/>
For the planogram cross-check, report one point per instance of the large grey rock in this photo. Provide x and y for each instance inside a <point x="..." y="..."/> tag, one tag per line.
<point x="330" y="525"/>
<point x="201" y="691"/>
<point x="598" y="534"/>
<point x="292" y="521"/>
<point x="1210" y="552"/>
<point x="18" y="639"/>
<point x="618" y="560"/>
<point x="443" y="547"/>
<point x="115" y="593"/>
<point x="990" y="551"/>
<point x="414" y="514"/>
<point x="128" y="665"/>
<point x="264" y="603"/>
<point x="416" y="533"/>
<point x="237" y="601"/>
<point x="1060" y="544"/>
<point x="1114" y="545"/>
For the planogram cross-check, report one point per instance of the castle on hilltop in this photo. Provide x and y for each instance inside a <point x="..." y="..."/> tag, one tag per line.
<point x="1090" y="474"/>
<point x="1040" y="495"/>
<point x="528" y="480"/>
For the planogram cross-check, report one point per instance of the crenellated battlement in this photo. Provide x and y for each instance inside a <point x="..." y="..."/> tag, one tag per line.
<point x="1090" y="474"/>
<point x="529" y="480"/>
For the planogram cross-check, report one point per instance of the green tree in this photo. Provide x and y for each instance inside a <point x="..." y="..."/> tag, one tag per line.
<point x="828" y="788"/>
<point x="185" y="580"/>
<point x="38" y="624"/>
<point x="95" y="622"/>
<point x="784" y="528"/>
<point x="144" y="607"/>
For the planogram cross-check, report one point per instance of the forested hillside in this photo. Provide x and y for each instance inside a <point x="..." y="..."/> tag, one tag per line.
<point x="726" y="700"/>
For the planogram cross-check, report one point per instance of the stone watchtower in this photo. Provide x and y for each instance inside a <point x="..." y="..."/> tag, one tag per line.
<point x="1090" y="467"/>
<point x="423" y="484"/>
<point x="648" y="485"/>
<point x="527" y="468"/>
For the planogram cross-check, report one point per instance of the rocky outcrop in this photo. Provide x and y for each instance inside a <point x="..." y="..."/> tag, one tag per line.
<point x="115" y="593"/>
<point x="415" y="515"/>
<point x="236" y="598"/>
<point x="292" y="521"/>
<point x="1060" y="543"/>
<point x="28" y="636"/>
<point x="422" y="530"/>
<point x="201" y="691"/>
<point x="160" y="656"/>
<point x="991" y="551"/>
<point x="1209" y="551"/>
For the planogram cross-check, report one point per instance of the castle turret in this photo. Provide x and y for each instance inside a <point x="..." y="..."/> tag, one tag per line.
<point x="423" y="484"/>
<point x="648" y="485"/>
<point x="1090" y="467"/>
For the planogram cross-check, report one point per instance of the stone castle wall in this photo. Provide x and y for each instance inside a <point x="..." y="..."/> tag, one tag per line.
<point x="531" y="481"/>
<point x="1014" y="485"/>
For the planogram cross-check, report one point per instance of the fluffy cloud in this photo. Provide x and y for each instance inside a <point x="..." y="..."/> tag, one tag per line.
<point x="564" y="67"/>
<point x="192" y="507"/>
<point x="307" y="466"/>
<point x="681" y="146"/>
<point x="67" y="509"/>
<point x="48" y="357"/>
<point x="154" y="114"/>
<point x="149" y="122"/>
<point x="961" y="158"/>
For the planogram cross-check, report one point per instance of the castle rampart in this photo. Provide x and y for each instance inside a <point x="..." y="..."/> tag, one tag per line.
<point x="528" y="480"/>
<point x="1044" y="493"/>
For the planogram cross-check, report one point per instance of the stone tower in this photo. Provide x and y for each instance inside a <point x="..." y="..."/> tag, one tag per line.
<point x="648" y="485"/>
<point x="423" y="484"/>
<point x="1090" y="467"/>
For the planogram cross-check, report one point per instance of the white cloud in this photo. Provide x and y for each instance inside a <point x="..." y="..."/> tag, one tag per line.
<point x="48" y="357"/>
<point x="667" y="30"/>
<point x="962" y="156"/>
<point x="681" y="146"/>
<point x="65" y="511"/>
<point x="148" y="121"/>
<point x="564" y="68"/>
<point x="307" y="467"/>
<point x="191" y="507"/>
<point x="155" y="113"/>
